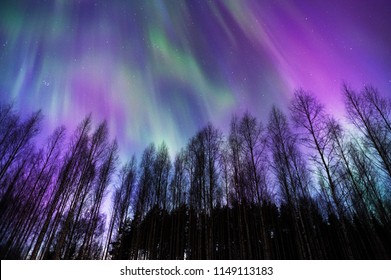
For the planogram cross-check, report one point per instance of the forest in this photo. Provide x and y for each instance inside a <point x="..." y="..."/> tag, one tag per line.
<point x="299" y="185"/>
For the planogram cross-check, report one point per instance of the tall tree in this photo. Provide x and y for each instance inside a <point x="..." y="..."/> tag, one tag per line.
<point x="309" y="115"/>
<point x="255" y="161"/>
<point x="63" y="188"/>
<point x="291" y="174"/>
<point x="103" y="179"/>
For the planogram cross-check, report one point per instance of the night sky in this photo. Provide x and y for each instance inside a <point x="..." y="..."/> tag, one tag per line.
<point x="160" y="70"/>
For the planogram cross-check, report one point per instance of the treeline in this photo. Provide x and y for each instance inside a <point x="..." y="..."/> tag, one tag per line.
<point x="301" y="186"/>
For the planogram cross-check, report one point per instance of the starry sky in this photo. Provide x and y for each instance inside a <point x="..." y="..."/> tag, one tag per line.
<point x="160" y="70"/>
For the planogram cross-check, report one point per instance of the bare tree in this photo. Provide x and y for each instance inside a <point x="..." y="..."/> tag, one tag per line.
<point x="291" y="174"/>
<point x="16" y="138"/>
<point x="370" y="114"/>
<point x="63" y="187"/>
<point x="179" y="181"/>
<point x="254" y="155"/>
<point x="309" y="115"/>
<point x="103" y="179"/>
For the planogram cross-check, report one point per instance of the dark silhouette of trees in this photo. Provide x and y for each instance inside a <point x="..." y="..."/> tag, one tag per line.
<point x="305" y="186"/>
<point x="292" y="177"/>
<point x="122" y="200"/>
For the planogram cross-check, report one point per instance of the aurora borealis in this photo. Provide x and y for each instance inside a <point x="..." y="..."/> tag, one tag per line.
<point x="160" y="70"/>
